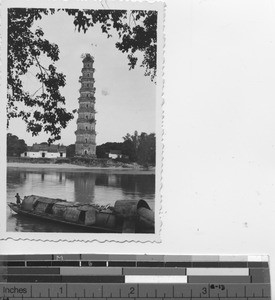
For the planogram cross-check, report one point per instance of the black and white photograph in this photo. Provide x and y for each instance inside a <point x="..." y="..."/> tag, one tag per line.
<point x="137" y="144"/>
<point x="83" y="140"/>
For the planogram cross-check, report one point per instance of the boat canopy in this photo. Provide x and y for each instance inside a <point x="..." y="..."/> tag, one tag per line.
<point x="129" y="208"/>
<point x="130" y="215"/>
<point x="88" y="214"/>
<point x="33" y="201"/>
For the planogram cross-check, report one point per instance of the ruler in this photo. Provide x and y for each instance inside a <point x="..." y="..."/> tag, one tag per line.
<point x="111" y="277"/>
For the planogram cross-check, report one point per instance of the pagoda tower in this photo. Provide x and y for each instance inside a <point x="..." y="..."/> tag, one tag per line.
<point x="85" y="134"/>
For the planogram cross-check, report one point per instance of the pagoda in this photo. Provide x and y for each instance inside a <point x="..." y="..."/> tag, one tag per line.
<point x="85" y="134"/>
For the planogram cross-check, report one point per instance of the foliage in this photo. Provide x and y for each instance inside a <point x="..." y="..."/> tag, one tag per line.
<point x="70" y="150"/>
<point x="136" y="148"/>
<point x="62" y="160"/>
<point x="147" y="149"/>
<point x="137" y="31"/>
<point x="46" y="109"/>
<point x="141" y="148"/>
<point x="130" y="146"/>
<point x="103" y="150"/>
<point x="15" y="146"/>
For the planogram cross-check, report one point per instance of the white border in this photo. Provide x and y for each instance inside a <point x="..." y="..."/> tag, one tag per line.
<point x="83" y="237"/>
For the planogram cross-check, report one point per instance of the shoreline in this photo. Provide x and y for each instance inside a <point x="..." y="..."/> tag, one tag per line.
<point x="75" y="168"/>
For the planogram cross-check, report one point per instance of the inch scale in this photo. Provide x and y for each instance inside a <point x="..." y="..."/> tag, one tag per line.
<point x="158" y="277"/>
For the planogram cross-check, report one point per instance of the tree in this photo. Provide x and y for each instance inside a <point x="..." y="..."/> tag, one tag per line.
<point x="103" y="150"/>
<point x="140" y="148"/>
<point x="44" y="110"/>
<point x="131" y="143"/>
<point x="137" y="31"/>
<point x="15" y="146"/>
<point x="146" y="153"/>
<point x="70" y="150"/>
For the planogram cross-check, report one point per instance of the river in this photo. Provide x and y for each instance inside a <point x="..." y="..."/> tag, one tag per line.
<point x="94" y="186"/>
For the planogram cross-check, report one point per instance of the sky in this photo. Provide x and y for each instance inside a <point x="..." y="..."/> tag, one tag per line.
<point x="125" y="99"/>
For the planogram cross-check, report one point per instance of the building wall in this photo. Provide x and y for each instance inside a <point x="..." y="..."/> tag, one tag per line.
<point x="85" y="139"/>
<point x="85" y="149"/>
<point x="86" y="126"/>
<point x="86" y="104"/>
<point x="39" y="154"/>
<point x="114" y="156"/>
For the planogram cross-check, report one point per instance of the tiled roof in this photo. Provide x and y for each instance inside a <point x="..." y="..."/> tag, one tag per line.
<point x="46" y="147"/>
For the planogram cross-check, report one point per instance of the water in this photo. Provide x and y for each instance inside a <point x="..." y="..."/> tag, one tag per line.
<point x="102" y="187"/>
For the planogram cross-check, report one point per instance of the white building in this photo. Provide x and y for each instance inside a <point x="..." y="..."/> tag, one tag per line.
<point x="45" y="151"/>
<point x="115" y="154"/>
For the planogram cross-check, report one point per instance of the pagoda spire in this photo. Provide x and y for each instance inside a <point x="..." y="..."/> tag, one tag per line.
<point x="85" y="134"/>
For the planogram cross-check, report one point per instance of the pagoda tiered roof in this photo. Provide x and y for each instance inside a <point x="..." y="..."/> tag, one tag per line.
<point x="86" y="78"/>
<point x="87" y="89"/>
<point x="90" y="143"/>
<point x="88" y="57"/>
<point x="86" y="99"/>
<point x="88" y="68"/>
<point x="85" y="131"/>
<point x="83" y="120"/>
<point x="86" y="109"/>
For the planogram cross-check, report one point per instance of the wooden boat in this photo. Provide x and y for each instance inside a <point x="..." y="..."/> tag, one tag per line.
<point x="133" y="216"/>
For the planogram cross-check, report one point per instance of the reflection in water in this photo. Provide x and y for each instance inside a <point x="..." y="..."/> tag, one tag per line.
<point x="143" y="184"/>
<point x="60" y="177"/>
<point x="85" y="187"/>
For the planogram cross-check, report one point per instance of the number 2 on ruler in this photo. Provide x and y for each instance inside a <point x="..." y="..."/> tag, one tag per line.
<point x="132" y="291"/>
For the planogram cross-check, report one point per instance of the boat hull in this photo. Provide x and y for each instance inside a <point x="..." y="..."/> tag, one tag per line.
<point x="124" y="217"/>
<point x="85" y="228"/>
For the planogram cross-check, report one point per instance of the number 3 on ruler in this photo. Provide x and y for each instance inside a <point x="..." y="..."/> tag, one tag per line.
<point x="204" y="290"/>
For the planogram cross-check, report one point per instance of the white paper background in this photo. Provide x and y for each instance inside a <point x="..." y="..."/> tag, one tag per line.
<point x="219" y="155"/>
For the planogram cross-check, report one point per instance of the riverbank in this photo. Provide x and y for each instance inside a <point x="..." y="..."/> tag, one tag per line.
<point x="131" y="169"/>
